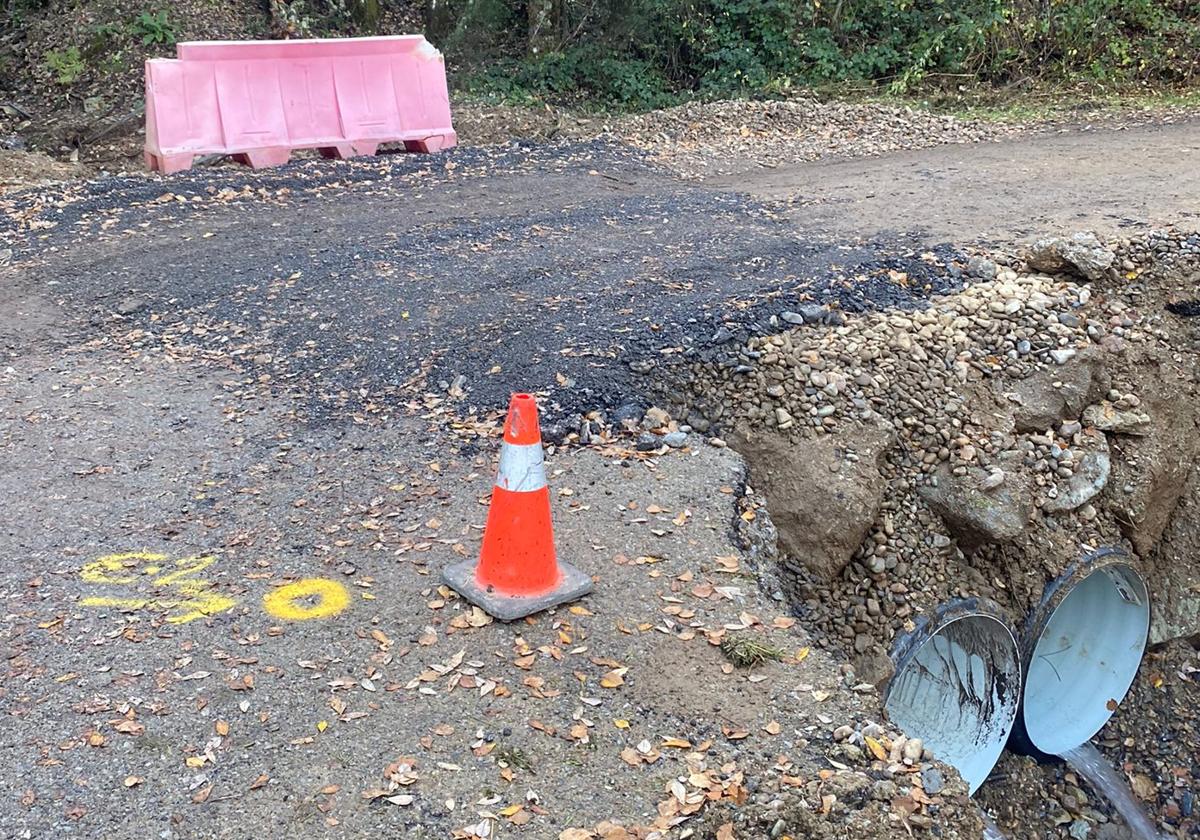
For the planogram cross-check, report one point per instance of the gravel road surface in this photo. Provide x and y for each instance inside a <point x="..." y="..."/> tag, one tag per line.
<point x="248" y="417"/>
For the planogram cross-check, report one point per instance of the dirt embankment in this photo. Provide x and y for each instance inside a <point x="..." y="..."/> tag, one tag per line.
<point x="975" y="449"/>
<point x="73" y="71"/>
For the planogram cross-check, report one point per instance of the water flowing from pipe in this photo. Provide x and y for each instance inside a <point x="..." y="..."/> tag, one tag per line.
<point x="1089" y="763"/>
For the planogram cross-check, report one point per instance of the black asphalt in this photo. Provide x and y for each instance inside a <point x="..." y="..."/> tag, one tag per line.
<point x="548" y="268"/>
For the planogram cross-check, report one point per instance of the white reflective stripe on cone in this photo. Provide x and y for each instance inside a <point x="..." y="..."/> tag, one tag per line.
<point x="521" y="468"/>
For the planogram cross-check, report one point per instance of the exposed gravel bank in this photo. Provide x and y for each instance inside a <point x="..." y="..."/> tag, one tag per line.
<point x="715" y="138"/>
<point x="986" y="437"/>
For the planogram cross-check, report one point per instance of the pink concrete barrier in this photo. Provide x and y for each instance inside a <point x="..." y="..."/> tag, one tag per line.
<point x="259" y="100"/>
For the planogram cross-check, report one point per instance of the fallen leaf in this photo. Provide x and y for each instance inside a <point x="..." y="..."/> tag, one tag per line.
<point x="244" y="684"/>
<point x="202" y="795"/>
<point x="1144" y="787"/>
<point x="576" y="834"/>
<point x="876" y="748"/>
<point x="613" y="679"/>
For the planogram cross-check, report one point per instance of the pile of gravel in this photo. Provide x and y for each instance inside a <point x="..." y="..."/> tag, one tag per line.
<point x="700" y="139"/>
<point x="996" y="408"/>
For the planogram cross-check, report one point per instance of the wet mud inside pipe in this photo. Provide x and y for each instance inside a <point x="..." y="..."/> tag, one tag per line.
<point x="957" y="686"/>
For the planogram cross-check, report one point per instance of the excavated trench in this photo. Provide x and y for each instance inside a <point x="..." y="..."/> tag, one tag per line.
<point x="987" y="506"/>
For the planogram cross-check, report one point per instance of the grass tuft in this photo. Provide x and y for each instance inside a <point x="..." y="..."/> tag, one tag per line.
<point x="745" y="652"/>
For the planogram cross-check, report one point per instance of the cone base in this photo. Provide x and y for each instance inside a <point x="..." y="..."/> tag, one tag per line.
<point x="461" y="578"/>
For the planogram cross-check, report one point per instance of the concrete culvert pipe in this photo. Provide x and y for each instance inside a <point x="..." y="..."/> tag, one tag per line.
<point x="957" y="685"/>
<point x="1082" y="647"/>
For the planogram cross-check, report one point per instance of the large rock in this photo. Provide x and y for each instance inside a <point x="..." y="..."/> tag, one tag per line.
<point x="1059" y="393"/>
<point x="1175" y="573"/>
<point x="1108" y="418"/>
<point x="1091" y="476"/>
<point x="975" y="516"/>
<point x="1081" y="254"/>
<point x="874" y="666"/>
<point x="822" y="502"/>
<point x="1152" y="459"/>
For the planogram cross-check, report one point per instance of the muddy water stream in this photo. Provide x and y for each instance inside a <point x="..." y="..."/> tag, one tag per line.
<point x="1087" y="761"/>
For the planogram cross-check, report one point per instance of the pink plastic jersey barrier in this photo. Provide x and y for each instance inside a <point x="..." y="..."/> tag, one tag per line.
<point x="259" y="100"/>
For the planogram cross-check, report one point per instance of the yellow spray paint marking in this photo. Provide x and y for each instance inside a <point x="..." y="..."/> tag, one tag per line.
<point x="186" y="596"/>
<point x="116" y="603"/>
<point x="120" y="569"/>
<point x="307" y="599"/>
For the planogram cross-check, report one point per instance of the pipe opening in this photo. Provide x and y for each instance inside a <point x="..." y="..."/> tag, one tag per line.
<point x="957" y="687"/>
<point x="1085" y="658"/>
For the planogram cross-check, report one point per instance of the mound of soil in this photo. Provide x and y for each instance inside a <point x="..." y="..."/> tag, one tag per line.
<point x="20" y="169"/>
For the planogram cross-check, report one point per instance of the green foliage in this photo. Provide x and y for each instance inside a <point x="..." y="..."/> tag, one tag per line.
<point x="650" y="53"/>
<point x="307" y="18"/>
<point x="581" y="74"/>
<point x="640" y="53"/>
<point x="153" y="28"/>
<point x="66" y="65"/>
<point x="365" y="13"/>
<point x="103" y="40"/>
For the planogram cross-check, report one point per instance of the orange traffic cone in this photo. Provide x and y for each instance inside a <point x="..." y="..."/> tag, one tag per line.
<point x="518" y="572"/>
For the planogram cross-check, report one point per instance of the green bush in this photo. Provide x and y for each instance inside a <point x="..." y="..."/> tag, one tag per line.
<point x="305" y="18"/>
<point x="66" y="65"/>
<point x="645" y="52"/>
<point x="153" y="28"/>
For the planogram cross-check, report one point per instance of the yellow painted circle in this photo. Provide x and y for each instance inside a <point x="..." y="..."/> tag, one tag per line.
<point x="291" y="602"/>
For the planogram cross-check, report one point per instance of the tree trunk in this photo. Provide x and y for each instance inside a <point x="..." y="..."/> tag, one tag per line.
<point x="366" y="14"/>
<point x="543" y="26"/>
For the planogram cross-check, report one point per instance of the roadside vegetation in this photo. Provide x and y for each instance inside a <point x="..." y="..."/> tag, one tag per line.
<point x="650" y="53"/>
<point x="71" y="70"/>
<point x="637" y="54"/>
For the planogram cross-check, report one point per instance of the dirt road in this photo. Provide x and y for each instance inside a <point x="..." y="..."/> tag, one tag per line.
<point x="220" y="385"/>
<point x="1014" y="190"/>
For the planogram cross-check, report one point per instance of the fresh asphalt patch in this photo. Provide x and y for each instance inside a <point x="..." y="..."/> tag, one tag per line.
<point x="565" y="270"/>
